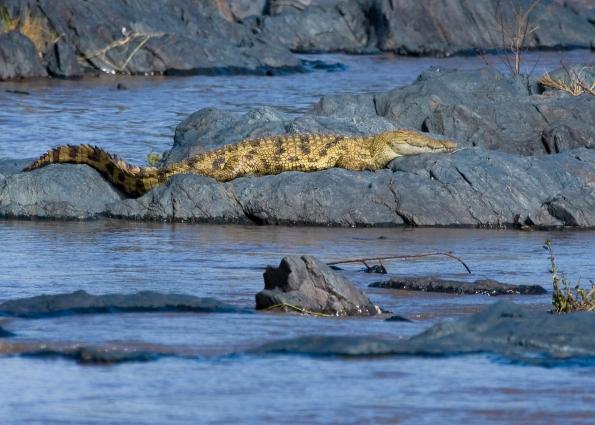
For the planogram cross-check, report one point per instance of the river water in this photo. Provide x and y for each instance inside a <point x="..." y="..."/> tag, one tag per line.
<point x="226" y="262"/>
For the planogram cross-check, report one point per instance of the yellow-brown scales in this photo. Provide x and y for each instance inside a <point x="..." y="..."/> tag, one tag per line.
<point x="267" y="156"/>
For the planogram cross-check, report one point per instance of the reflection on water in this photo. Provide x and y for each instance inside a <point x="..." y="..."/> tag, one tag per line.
<point x="142" y="119"/>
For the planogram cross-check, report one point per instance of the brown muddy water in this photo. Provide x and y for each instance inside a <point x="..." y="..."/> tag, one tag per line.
<point x="214" y="385"/>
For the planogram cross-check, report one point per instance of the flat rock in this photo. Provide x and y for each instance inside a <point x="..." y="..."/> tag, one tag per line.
<point x="482" y="286"/>
<point x="308" y="284"/>
<point x="56" y="191"/>
<point x="508" y="330"/>
<point x="81" y="302"/>
<point x="88" y="354"/>
<point x="186" y="198"/>
<point x="10" y="166"/>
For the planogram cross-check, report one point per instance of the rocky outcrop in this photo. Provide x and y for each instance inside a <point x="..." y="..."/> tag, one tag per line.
<point x="478" y="108"/>
<point x="483" y="286"/>
<point x="81" y="302"/>
<point x="239" y="36"/>
<point x="469" y="26"/>
<point x="19" y="57"/>
<point x="339" y="28"/>
<point x="514" y="332"/>
<point x="307" y="284"/>
<point x="412" y="27"/>
<point x="526" y="159"/>
<point x="146" y="38"/>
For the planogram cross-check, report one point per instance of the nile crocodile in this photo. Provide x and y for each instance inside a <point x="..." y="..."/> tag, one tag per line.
<point x="266" y="156"/>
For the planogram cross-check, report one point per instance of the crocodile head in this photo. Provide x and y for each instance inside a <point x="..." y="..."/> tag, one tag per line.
<point x="409" y="142"/>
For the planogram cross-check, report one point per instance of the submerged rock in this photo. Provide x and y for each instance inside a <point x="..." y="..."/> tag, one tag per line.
<point x="310" y="285"/>
<point x="434" y="284"/>
<point x="508" y="330"/>
<point x="91" y="355"/>
<point x="4" y="333"/>
<point x="81" y="302"/>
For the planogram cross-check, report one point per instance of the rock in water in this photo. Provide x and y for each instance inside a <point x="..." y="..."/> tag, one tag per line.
<point x="81" y="302"/>
<point x="5" y="334"/>
<point x="434" y="284"/>
<point x="307" y="283"/>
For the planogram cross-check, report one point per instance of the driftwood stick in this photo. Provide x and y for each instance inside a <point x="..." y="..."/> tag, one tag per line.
<point x="401" y="257"/>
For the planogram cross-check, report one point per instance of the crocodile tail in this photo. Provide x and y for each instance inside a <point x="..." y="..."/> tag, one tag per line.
<point x="133" y="180"/>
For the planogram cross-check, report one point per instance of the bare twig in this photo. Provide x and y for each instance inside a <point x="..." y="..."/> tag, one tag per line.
<point x="514" y="32"/>
<point x="296" y="309"/>
<point x="401" y="257"/>
<point x="101" y="53"/>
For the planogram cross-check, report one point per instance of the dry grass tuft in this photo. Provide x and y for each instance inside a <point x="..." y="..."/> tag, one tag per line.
<point x="574" y="83"/>
<point x="153" y="158"/>
<point x="564" y="298"/>
<point x="36" y="29"/>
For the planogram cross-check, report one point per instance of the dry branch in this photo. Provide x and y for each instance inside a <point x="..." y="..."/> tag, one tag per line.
<point x="364" y="261"/>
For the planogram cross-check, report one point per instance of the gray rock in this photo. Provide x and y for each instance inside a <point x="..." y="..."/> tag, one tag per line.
<point x="342" y="27"/>
<point x="330" y="198"/>
<point x="311" y="285"/>
<point x="510" y="182"/>
<point x="482" y="286"/>
<point x="90" y="355"/>
<point x="211" y="128"/>
<point x="166" y="37"/>
<point x="19" y="57"/>
<point x="56" y="191"/>
<point x="241" y="9"/>
<point x="485" y="109"/>
<point x="62" y="61"/>
<point x="512" y="331"/>
<point x="492" y="189"/>
<point x="187" y="198"/>
<point x="455" y="26"/>
<point x="81" y="302"/>
<point x="10" y="166"/>
<point x="276" y="7"/>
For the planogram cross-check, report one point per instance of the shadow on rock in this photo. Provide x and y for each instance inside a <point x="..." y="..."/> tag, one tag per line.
<point x="81" y="302"/>
<point x="516" y="333"/>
